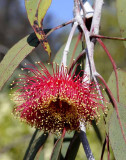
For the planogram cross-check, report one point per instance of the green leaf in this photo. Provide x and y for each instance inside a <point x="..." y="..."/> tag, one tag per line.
<point x="122" y="85"/>
<point x="30" y="144"/>
<point x="113" y="127"/>
<point x="73" y="147"/>
<point x="57" y="149"/>
<point x="36" y="145"/>
<point x="122" y="91"/>
<point x="121" y="13"/>
<point x="36" y="10"/>
<point x="97" y="130"/>
<point x="66" y="142"/>
<point x="41" y="156"/>
<point x="15" y="55"/>
<point x="116" y="138"/>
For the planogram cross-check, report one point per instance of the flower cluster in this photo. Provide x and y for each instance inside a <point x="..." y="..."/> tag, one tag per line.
<point x="55" y="101"/>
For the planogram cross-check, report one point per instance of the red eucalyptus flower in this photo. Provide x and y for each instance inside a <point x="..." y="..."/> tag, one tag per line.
<point x="52" y="102"/>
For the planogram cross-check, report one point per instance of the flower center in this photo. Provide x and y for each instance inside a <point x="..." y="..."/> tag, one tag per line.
<point x="64" y="113"/>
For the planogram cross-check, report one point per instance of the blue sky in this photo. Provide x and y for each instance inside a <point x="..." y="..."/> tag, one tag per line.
<point x="62" y="11"/>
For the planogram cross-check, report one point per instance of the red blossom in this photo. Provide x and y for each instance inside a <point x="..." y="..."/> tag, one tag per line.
<point x="57" y="101"/>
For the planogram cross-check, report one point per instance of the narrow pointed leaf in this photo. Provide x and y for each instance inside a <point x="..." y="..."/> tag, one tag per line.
<point x="117" y="132"/>
<point x="121" y="13"/>
<point x="122" y="90"/>
<point x="33" y="150"/>
<point x="122" y="85"/>
<point x="116" y="138"/>
<point x="57" y="149"/>
<point x="36" y="10"/>
<point x="66" y="142"/>
<point x="73" y="147"/>
<point x="31" y="143"/>
<point x="15" y="55"/>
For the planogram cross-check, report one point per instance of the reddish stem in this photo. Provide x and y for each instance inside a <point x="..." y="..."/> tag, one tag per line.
<point x="64" y="132"/>
<point x="113" y="64"/>
<point x="107" y="141"/>
<point x="114" y="103"/>
<point x="106" y="37"/>
<point x="61" y="138"/>
<point x="58" y="27"/>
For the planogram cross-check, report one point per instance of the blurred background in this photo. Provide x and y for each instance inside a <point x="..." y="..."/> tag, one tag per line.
<point x="14" y="25"/>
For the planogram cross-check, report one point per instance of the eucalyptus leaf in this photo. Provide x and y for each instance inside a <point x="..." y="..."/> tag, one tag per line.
<point x="66" y="142"/>
<point x="122" y="91"/>
<point x="31" y="143"/>
<point x="113" y="127"/>
<point x="73" y="147"/>
<point x="116" y="138"/>
<point x="35" y="146"/>
<point x="15" y="55"/>
<point x="121" y="83"/>
<point x="121" y="13"/>
<point x="36" y="10"/>
<point x="57" y="149"/>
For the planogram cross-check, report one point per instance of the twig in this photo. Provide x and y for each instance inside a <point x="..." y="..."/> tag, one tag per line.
<point x="95" y="30"/>
<point x="86" y="145"/>
<point x="106" y="37"/>
<point x="97" y="17"/>
<point x="66" y="49"/>
<point x="90" y="49"/>
<point x="98" y="89"/>
<point x="58" y="27"/>
<point x="90" y="65"/>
